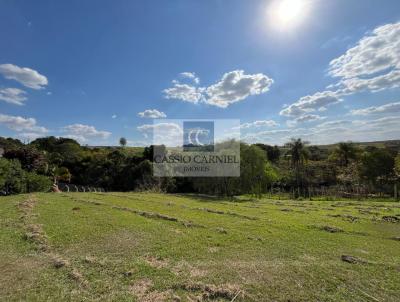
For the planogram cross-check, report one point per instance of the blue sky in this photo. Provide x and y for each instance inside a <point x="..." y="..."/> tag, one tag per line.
<point x="90" y="69"/>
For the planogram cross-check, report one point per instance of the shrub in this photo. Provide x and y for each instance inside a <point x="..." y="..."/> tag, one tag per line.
<point x="37" y="183"/>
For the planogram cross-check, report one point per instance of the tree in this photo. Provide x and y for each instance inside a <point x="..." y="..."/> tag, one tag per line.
<point x="377" y="167"/>
<point x="298" y="156"/>
<point x="397" y="175"/>
<point x="122" y="141"/>
<point x="11" y="176"/>
<point x="62" y="174"/>
<point x="273" y="153"/>
<point x="37" y="183"/>
<point x="30" y="158"/>
<point x="255" y="171"/>
<point x="397" y="165"/>
<point x="344" y="153"/>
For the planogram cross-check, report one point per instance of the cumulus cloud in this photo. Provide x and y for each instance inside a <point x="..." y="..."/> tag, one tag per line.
<point x="152" y="113"/>
<point x="310" y="103"/>
<point x="26" y="76"/>
<point x="257" y="124"/>
<point x="234" y="86"/>
<point x="18" y="123"/>
<point x="13" y="96"/>
<point x="184" y="92"/>
<point x="386" y="81"/>
<point x="387" y="108"/>
<point x="376" y="52"/>
<point x="84" y="133"/>
<point x="373" y="64"/>
<point x="190" y="75"/>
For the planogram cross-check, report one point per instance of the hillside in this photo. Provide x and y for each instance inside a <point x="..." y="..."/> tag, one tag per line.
<point x="159" y="247"/>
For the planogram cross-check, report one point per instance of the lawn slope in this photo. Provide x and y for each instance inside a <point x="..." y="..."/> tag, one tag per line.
<point x="159" y="247"/>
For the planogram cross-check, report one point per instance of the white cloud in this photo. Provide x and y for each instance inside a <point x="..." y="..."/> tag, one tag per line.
<point x="152" y="113"/>
<point x="376" y="52"/>
<point x="257" y="124"/>
<point x="18" y="123"/>
<point x="386" y="81"/>
<point x="235" y="86"/>
<point x="26" y="76"/>
<point x="311" y="103"/>
<point x="169" y="134"/>
<point x="329" y="132"/>
<point x="387" y="108"/>
<point x="305" y="118"/>
<point x="373" y="64"/>
<point x="138" y="143"/>
<point x="30" y="136"/>
<point x="84" y="133"/>
<point x="13" y="96"/>
<point x="190" y="75"/>
<point x="114" y="116"/>
<point x="333" y="124"/>
<point x="184" y="92"/>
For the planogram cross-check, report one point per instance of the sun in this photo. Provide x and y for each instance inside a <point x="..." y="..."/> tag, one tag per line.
<point x="287" y="13"/>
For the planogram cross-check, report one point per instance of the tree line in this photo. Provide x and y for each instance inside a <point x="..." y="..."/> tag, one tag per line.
<point x="296" y="167"/>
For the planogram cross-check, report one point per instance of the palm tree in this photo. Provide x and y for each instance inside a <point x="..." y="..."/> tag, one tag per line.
<point x="344" y="152"/>
<point x="298" y="155"/>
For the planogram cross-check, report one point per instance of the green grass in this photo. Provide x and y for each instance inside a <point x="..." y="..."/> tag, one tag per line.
<point x="125" y="249"/>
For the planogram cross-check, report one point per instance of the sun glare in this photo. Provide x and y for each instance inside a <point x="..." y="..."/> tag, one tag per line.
<point x="287" y="13"/>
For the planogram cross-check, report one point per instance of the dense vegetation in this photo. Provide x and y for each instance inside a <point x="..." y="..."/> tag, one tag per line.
<point x="296" y="168"/>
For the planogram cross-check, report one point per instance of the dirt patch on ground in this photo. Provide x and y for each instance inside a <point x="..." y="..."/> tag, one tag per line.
<point x="183" y="267"/>
<point x="75" y="275"/>
<point x="392" y="219"/>
<point x="152" y="215"/>
<point x="220" y="212"/>
<point x="35" y="234"/>
<point x="345" y="217"/>
<point x="352" y="259"/>
<point x="213" y="249"/>
<point x="156" y="262"/>
<point x="211" y="292"/>
<point x="331" y="229"/>
<point x="142" y="290"/>
<point x="221" y="230"/>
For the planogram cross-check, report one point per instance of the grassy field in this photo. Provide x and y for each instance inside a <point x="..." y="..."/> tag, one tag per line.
<point x="156" y="247"/>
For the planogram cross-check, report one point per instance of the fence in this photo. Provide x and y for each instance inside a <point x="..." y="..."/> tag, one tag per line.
<point x="332" y="191"/>
<point x="64" y="187"/>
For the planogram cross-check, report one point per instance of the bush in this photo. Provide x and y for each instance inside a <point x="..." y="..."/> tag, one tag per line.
<point x="37" y="183"/>
<point x="14" y="180"/>
<point x="11" y="176"/>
